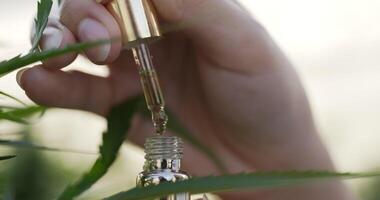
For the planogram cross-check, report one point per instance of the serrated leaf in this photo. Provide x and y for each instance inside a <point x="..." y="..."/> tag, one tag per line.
<point x="43" y="11"/>
<point x="9" y="62"/>
<point x="28" y="145"/>
<point x="119" y="121"/>
<point x="12" y="97"/>
<point x="6" y="157"/>
<point x="30" y="58"/>
<point x="213" y="184"/>
<point x="20" y="115"/>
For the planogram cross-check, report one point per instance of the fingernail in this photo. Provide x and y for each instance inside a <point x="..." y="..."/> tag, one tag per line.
<point x="19" y="76"/>
<point x="52" y="38"/>
<point x="92" y="30"/>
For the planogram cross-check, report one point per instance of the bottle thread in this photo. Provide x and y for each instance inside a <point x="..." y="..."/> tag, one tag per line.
<point x="163" y="164"/>
<point x="163" y="147"/>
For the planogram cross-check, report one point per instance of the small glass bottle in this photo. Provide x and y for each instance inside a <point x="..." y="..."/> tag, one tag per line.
<point x="162" y="164"/>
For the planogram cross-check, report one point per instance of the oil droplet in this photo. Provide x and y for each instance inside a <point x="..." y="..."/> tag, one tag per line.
<point x="160" y="120"/>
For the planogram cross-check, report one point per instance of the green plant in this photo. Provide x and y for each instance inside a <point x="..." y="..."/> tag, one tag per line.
<point x="6" y="157"/>
<point x="233" y="182"/>
<point x="44" y="176"/>
<point x="118" y="124"/>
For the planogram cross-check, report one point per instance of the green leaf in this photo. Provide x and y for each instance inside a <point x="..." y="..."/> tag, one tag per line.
<point x="44" y="8"/>
<point x="30" y="58"/>
<point x="20" y="115"/>
<point x="179" y="129"/>
<point x="6" y="157"/>
<point x="27" y="111"/>
<point x="12" y="97"/>
<point x="9" y="117"/>
<point x="119" y="121"/>
<point x="28" y="145"/>
<point x="234" y="182"/>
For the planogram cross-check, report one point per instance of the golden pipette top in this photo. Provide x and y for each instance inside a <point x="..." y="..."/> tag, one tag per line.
<point x="137" y="20"/>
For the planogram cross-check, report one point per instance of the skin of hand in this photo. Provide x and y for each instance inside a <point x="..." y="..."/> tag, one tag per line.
<point x="222" y="76"/>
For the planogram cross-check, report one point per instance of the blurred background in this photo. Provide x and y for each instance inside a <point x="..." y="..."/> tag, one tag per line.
<point x="334" y="45"/>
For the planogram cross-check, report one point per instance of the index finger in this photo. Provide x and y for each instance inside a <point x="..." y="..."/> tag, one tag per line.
<point x="90" y="21"/>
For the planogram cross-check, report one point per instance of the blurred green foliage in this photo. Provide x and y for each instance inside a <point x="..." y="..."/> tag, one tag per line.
<point x="371" y="190"/>
<point x="31" y="176"/>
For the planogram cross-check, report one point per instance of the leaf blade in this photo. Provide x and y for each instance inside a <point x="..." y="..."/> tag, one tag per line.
<point x="2" y="158"/>
<point x="9" y="117"/>
<point x="19" y="115"/>
<point x="119" y="121"/>
<point x="43" y="11"/>
<point x="12" y="97"/>
<point x="233" y="182"/>
<point x="28" y="145"/>
<point x="30" y="58"/>
<point x="27" y="111"/>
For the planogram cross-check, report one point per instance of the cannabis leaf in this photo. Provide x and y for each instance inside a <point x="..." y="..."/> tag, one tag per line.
<point x="6" y="157"/>
<point x="12" y="97"/>
<point x="119" y="121"/>
<point x="43" y="11"/>
<point x="27" y="111"/>
<point x="234" y="182"/>
<point x="28" y="145"/>
<point x="6" y="116"/>
<point x="30" y="58"/>
<point x="21" y="61"/>
<point x="20" y="115"/>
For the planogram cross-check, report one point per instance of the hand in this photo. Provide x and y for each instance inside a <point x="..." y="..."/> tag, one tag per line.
<point x="222" y="76"/>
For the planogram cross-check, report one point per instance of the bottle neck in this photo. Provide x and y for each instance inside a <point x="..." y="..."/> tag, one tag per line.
<point x="152" y="165"/>
<point x="163" y="152"/>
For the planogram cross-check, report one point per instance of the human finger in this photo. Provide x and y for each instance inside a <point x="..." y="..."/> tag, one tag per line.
<point x="90" y="21"/>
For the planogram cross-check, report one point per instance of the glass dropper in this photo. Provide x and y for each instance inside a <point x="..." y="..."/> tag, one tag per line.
<point x="151" y="87"/>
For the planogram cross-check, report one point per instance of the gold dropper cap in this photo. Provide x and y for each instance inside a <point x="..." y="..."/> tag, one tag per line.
<point x="137" y="20"/>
